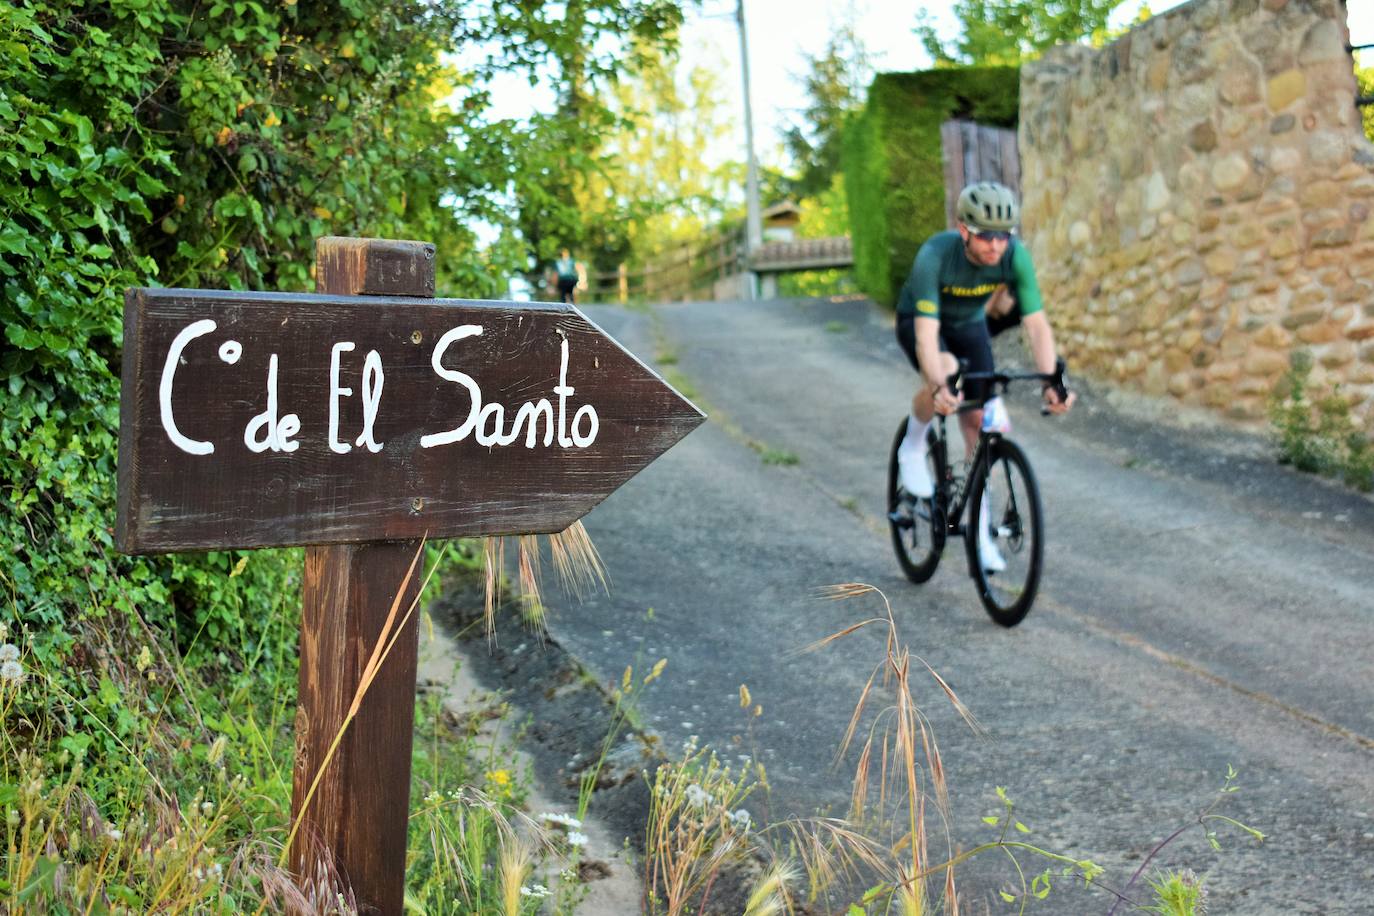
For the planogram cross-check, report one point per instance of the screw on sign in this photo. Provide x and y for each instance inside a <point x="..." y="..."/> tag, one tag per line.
<point x="357" y="421"/>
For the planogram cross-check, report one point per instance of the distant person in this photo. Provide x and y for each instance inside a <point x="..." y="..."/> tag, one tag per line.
<point x="567" y="274"/>
<point x="943" y="316"/>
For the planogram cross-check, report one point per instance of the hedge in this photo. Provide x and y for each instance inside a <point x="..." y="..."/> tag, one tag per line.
<point x="893" y="166"/>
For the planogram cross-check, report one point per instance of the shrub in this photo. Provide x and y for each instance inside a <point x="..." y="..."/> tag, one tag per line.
<point x="894" y="166"/>
<point x="1318" y="436"/>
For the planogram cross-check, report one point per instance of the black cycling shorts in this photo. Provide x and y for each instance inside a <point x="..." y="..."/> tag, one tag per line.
<point x="970" y="342"/>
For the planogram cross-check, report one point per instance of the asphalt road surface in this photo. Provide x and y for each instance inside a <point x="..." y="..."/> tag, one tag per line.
<point x="1201" y="608"/>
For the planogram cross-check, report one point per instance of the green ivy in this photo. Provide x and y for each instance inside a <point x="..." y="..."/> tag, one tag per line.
<point x="893" y="166"/>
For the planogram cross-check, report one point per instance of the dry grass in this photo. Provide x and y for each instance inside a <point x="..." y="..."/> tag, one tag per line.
<point x="575" y="560"/>
<point x="901" y="760"/>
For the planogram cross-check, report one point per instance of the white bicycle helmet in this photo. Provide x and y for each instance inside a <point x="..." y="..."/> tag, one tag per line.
<point x="987" y="206"/>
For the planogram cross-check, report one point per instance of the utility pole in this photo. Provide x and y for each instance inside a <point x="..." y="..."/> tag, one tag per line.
<point x="753" y="236"/>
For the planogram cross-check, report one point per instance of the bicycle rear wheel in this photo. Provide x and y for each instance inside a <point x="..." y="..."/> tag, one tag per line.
<point x="1014" y="520"/>
<point x="918" y="526"/>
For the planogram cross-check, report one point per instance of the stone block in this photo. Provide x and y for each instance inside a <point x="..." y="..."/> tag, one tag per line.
<point x="1362" y="331"/>
<point x="1284" y="159"/>
<point x="1337" y="354"/>
<point x="1155" y="382"/>
<point x="1274" y="337"/>
<point x="1333" y="237"/>
<point x="1230" y="172"/>
<point x="1328" y="149"/>
<point x="1221" y="262"/>
<point x="1246" y="410"/>
<point x="1303" y="317"/>
<point x="1321" y="193"/>
<point x="1181" y="383"/>
<point x="1216" y="395"/>
<point x="1320" y="333"/>
<point x="1222" y="372"/>
<point x="1202" y="138"/>
<point x="1248" y="234"/>
<point x="1282" y="124"/>
<point x="1284" y="245"/>
<point x="1285" y="88"/>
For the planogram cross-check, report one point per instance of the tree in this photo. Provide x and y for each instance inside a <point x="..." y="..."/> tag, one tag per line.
<point x="586" y="48"/>
<point x="1364" y="76"/>
<point x="834" y="90"/>
<point x="1007" y="32"/>
<point x="659" y="182"/>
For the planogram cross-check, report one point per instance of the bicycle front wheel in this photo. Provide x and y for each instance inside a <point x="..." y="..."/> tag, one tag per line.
<point x="918" y="527"/>
<point x="1006" y="501"/>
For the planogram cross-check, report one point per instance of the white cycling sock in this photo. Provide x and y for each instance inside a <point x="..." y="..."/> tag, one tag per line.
<point x="916" y="435"/>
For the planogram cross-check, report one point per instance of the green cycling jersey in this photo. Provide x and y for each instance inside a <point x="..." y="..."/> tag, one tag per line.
<point x="944" y="284"/>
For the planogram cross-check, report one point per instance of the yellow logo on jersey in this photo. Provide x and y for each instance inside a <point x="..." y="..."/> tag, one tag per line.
<point x="984" y="290"/>
<point x="926" y="307"/>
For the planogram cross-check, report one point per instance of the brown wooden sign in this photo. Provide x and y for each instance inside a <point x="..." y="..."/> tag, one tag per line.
<point x="266" y="419"/>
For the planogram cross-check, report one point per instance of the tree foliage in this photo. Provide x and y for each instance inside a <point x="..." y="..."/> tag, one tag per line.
<point x="1006" y="32"/>
<point x="1364" y="76"/>
<point x="661" y="180"/>
<point x="834" y="90"/>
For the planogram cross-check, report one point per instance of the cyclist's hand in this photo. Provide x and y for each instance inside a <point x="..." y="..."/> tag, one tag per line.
<point x="946" y="402"/>
<point x="1056" y="405"/>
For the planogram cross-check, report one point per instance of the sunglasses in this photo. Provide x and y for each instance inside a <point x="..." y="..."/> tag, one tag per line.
<point x="991" y="235"/>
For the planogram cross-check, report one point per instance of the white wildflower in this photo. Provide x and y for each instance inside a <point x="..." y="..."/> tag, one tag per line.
<point x="565" y="820"/>
<point x="11" y="671"/>
<point x="115" y="834"/>
<point x="534" y="890"/>
<point x="576" y="839"/>
<point x="741" y="820"/>
<point x="9" y="653"/>
<point x="207" y="807"/>
<point x="697" y="797"/>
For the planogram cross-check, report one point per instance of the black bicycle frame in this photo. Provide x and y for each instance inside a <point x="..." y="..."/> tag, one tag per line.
<point x="953" y="501"/>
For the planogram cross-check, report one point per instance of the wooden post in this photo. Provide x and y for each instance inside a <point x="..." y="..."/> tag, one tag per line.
<point x="624" y="282"/>
<point x="356" y="822"/>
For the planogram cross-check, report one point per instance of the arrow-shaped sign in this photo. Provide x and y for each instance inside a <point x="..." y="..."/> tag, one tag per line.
<point x="268" y="419"/>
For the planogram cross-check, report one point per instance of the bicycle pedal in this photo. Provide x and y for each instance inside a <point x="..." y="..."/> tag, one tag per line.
<point x="900" y="520"/>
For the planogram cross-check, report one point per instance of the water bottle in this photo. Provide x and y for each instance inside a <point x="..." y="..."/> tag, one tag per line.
<point x="995" y="416"/>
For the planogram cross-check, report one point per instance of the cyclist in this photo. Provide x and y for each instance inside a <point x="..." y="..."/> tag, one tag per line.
<point x="569" y="275"/>
<point x="941" y="318"/>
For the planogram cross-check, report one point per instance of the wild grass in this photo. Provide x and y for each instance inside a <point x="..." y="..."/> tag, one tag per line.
<point x="1315" y="431"/>
<point x="135" y="779"/>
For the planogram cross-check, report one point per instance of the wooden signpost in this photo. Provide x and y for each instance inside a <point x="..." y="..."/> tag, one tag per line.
<point x="357" y="421"/>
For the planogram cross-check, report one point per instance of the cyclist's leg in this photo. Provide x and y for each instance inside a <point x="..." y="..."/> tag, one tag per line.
<point x="911" y="452"/>
<point x="970" y="343"/>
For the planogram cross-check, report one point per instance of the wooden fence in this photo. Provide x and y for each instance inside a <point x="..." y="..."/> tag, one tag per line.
<point x="688" y="272"/>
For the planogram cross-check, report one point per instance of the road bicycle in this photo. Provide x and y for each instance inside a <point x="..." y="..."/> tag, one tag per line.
<point x="998" y="470"/>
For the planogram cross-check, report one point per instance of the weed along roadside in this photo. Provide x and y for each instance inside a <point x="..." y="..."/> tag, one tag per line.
<point x="196" y="474"/>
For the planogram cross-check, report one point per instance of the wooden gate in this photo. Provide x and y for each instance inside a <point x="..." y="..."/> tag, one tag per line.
<point x="977" y="152"/>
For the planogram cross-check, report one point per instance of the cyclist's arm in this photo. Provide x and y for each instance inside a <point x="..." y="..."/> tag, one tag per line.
<point x="928" y="350"/>
<point x="1041" y="339"/>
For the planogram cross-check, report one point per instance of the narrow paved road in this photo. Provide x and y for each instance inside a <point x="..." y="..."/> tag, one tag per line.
<point x="1201" y="608"/>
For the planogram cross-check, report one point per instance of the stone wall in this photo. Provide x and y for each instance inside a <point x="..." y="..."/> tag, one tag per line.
<point x="1198" y="197"/>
